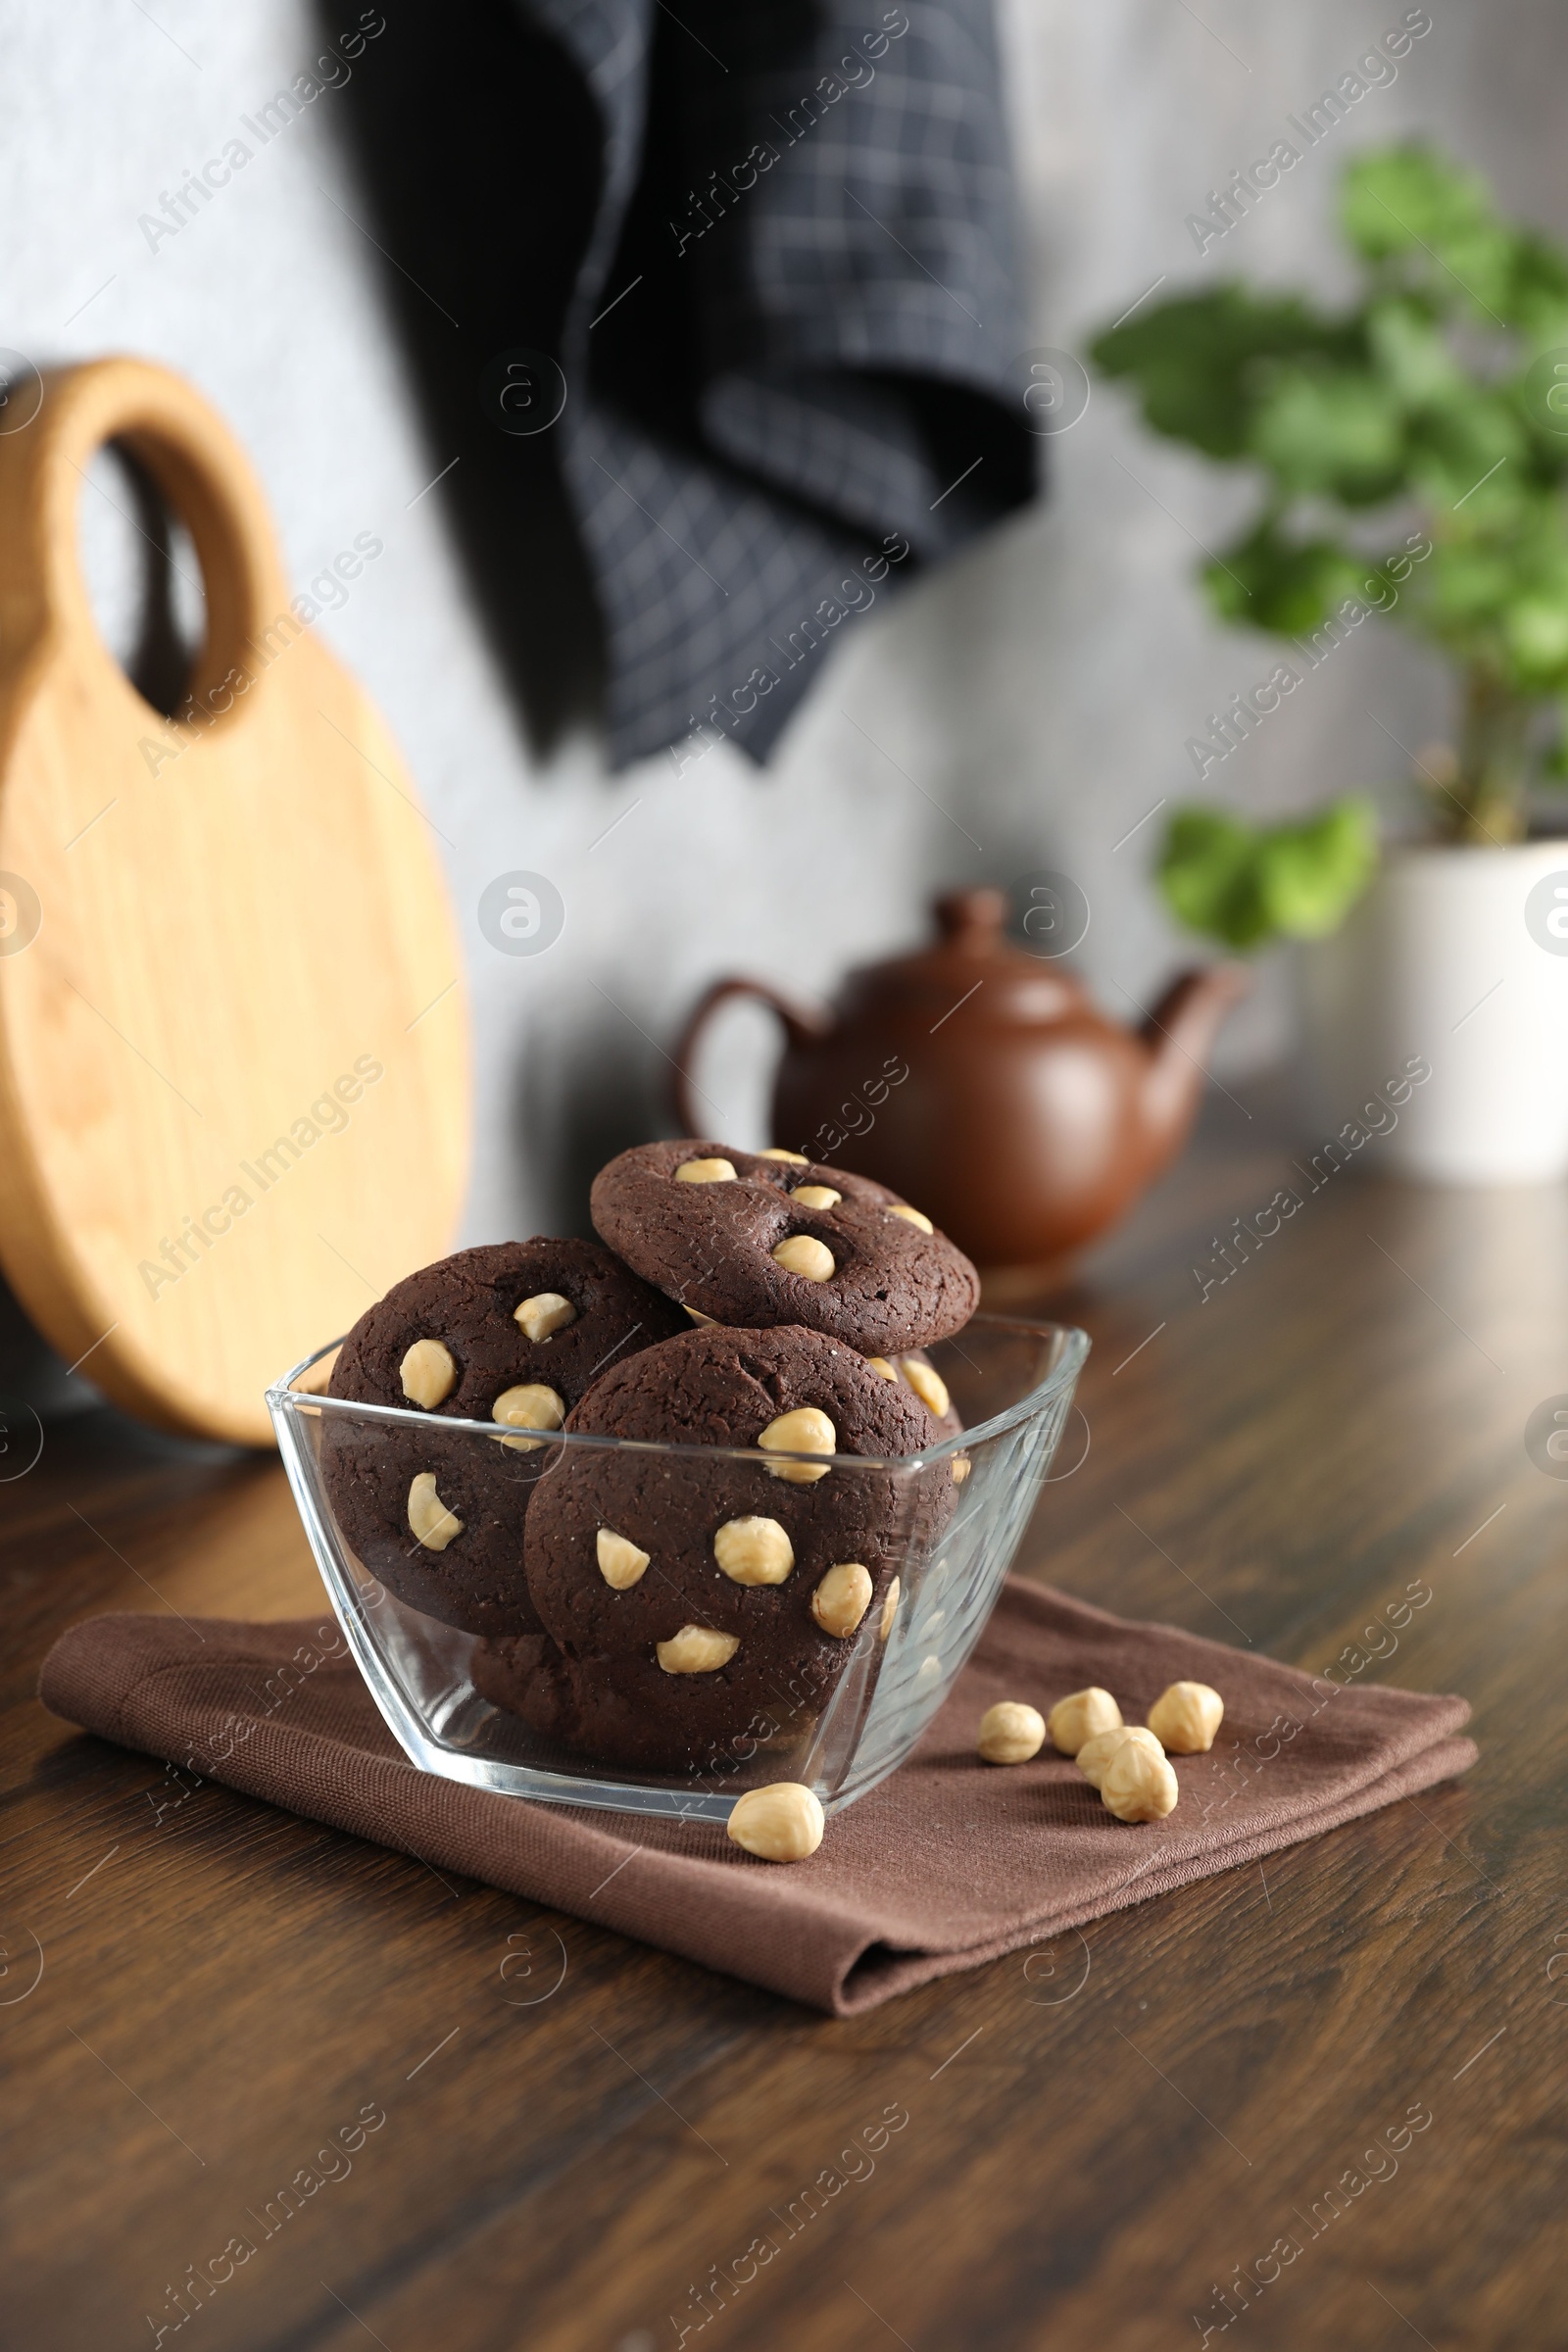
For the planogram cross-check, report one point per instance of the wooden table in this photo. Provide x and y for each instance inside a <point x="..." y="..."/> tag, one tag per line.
<point x="577" y="2131"/>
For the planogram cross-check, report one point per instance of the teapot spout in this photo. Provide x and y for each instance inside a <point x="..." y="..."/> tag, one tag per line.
<point x="1178" y="1034"/>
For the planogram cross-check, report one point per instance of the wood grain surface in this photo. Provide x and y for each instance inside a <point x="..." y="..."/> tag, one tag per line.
<point x="550" y="2138"/>
<point x="233" y="1050"/>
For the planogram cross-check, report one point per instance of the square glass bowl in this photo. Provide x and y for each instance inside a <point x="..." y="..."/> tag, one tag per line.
<point x="952" y="1517"/>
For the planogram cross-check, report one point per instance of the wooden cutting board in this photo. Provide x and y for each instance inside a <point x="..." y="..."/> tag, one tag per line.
<point x="234" y="1097"/>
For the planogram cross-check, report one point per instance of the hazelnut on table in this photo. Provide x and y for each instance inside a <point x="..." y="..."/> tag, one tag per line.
<point x="1079" y="1716"/>
<point x="1094" y="1757"/>
<point x="1138" y="1786"/>
<point x="1186" y="1716"/>
<point x="781" y="1823"/>
<point x="1010" y="1733"/>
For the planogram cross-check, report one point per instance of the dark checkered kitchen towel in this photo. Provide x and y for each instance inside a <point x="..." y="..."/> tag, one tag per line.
<point x="795" y="326"/>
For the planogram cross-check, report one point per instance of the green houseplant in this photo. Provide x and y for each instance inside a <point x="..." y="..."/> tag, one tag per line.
<point x="1440" y="395"/>
<point x="1411" y="454"/>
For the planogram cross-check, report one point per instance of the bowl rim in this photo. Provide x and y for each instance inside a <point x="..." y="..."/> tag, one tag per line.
<point x="284" y="1399"/>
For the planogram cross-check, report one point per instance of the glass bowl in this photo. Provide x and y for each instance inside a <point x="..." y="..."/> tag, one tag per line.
<point x="951" y="1519"/>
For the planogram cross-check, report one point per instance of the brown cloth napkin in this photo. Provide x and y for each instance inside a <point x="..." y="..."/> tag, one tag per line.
<point x="948" y="1863"/>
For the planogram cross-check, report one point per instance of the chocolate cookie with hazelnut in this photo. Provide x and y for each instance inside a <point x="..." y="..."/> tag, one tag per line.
<point x="753" y="1238"/>
<point x="694" y="1609"/>
<point x="514" y="1334"/>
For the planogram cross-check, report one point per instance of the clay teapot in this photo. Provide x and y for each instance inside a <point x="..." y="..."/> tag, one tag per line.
<point x="985" y="1085"/>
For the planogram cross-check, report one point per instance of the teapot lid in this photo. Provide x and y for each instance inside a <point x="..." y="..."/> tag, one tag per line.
<point x="972" y="968"/>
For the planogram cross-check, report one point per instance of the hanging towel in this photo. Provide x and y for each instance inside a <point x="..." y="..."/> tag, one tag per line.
<point x="792" y="350"/>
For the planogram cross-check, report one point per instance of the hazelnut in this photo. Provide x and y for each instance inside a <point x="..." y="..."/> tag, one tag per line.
<point x="1078" y="1718"/>
<point x="841" y="1598"/>
<point x="706" y="1171"/>
<point x="530" y="1405"/>
<point x="428" y="1517"/>
<point x="807" y="1429"/>
<point x="428" y="1374"/>
<point x="1010" y="1733"/>
<point x="696" y="1318"/>
<point x="782" y="1822"/>
<point x="910" y="1216"/>
<point x="962" y="1467"/>
<point x="541" y="1317"/>
<point x="816" y="1196"/>
<point x="796" y="1159"/>
<point x="620" y="1563"/>
<point x="802" y="1253"/>
<point x="1095" y="1755"/>
<point x="880" y="1365"/>
<point x="696" y="1649"/>
<point x="754" y="1551"/>
<point x="890" y="1609"/>
<point x="1138" y="1786"/>
<point x="1185" y="1718"/>
<point x="927" y="1383"/>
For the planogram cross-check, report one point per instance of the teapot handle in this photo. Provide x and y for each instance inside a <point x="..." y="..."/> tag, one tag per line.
<point x="802" y="1025"/>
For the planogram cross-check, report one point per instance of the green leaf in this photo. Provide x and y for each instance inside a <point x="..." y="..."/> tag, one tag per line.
<point x="1194" y="361"/>
<point x="1245" y="884"/>
<point x="1310" y="875"/>
<point x="1287" y="586"/>
<point x="1206" y="871"/>
<point x="1411" y="355"/>
<point x="1410" y="206"/>
<point x="1336" y="434"/>
<point x="1538" y="298"/>
<point x="1535" y="632"/>
<point x="1466" y="589"/>
<point x="1470" y="457"/>
<point x="1407" y="200"/>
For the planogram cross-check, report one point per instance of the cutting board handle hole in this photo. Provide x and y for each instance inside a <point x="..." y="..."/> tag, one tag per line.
<point x="143" y="576"/>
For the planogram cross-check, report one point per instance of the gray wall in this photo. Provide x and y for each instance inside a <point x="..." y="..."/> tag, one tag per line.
<point x="1041" y="690"/>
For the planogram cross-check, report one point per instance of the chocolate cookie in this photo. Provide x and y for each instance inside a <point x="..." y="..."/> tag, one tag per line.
<point x="514" y="1332"/>
<point x="758" y="1239"/>
<point x="691" y="1606"/>
<point x="628" y="1714"/>
<point x="469" y="1498"/>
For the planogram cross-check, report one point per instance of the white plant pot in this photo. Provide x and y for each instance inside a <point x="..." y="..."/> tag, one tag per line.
<point x="1455" y="959"/>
